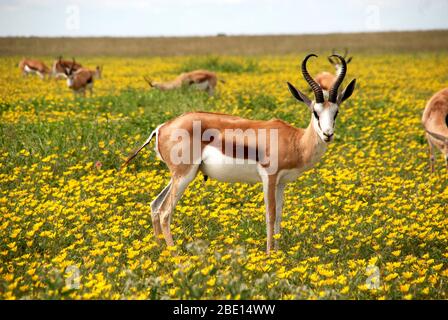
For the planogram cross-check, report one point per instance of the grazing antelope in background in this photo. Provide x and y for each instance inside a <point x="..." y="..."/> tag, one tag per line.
<point x="60" y="67"/>
<point x="234" y="149"/>
<point x="327" y="79"/>
<point x="80" y="80"/>
<point x="96" y="74"/>
<point x="435" y="122"/>
<point x="199" y="79"/>
<point x="29" y="66"/>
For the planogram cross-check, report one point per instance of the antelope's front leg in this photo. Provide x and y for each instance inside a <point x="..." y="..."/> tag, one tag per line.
<point x="432" y="159"/>
<point x="269" y="190"/>
<point x="278" y="211"/>
<point x="446" y="162"/>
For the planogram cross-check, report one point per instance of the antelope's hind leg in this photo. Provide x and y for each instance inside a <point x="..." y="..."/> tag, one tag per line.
<point x="279" y="194"/>
<point x="179" y="183"/>
<point x="432" y="159"/>
<point x="155" y="207"/>
<point x="269" y="190"/>
<point x="210" y="90"/>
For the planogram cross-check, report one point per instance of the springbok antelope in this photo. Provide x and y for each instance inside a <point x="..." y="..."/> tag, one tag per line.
<point x="60" y="67"/>
<point x="29" y="66"/>
<point x="275" y="152"/>
<point x="327" y="79"/>
<point x="96" y="74"/>
<point x="435" y="122"/>
<point x="80" y="80"/>
<point x="200" y="79"/>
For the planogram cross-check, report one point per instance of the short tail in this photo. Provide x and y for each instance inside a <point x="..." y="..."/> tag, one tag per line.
<point x="134" y="154"/>
<point x="438" y="136"/>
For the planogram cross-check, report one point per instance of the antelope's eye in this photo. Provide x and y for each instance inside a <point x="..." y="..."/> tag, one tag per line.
<point x="316" y="115"/>
<point x="336" y="114"/>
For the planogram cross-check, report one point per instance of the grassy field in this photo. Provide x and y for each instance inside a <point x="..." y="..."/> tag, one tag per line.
<point x="368" y="222"/>
<point x="382" y="42"/>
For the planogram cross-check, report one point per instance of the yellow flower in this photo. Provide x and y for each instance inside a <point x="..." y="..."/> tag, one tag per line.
<point x="396" y="253"/>
<point x="31" y="272"/>
<point x="345" y="290"/>
<point x="211" y="282"/>
<point x="404" y="288"/>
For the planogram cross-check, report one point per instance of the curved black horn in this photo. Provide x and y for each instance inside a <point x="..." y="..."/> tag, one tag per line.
<point x="332" y="96"/>
<point x="313" y="84"/>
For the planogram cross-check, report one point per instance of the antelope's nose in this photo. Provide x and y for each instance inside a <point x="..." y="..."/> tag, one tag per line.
<point x="328" y="136"/>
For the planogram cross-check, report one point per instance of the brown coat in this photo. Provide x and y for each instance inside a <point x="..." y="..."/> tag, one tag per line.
<point x="202" y="79"/>
<point x="34" y="65"/>
<point x="326" y="80"/>
<point x="81" y="80"/>
<point x="435" y="122"/>
<point x="60" y="66"/>
<point x="294" y="154"/>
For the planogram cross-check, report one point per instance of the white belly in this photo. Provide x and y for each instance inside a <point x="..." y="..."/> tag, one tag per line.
<point x="201" y="85"/>
<point x="59" y="75"/>
<point x="29" y="70"/>
<point x="220" y="167"/>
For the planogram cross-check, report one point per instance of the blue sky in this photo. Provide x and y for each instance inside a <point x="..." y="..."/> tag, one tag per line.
<point x="209" y="17"/>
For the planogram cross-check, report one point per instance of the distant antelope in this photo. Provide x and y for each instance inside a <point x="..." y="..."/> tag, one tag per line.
<point x="232" y="149"/>
<point x="199" y="79"/>
<point x="327" y="79"/>
<point x="60" y="67"/>
<point x="435" y="122"/>
<point x="80" y="80"/>
<point x="96" y="74"/>
<point x="29" y="66"/>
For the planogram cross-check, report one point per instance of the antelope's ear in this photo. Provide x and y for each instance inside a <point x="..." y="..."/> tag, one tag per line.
<point x="344" y="95"/>
<point x="299" y="95"/>
<point x="349" y="59"/>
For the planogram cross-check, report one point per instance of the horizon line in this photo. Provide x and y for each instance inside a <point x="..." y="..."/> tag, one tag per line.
<point x="223" y="34"/>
